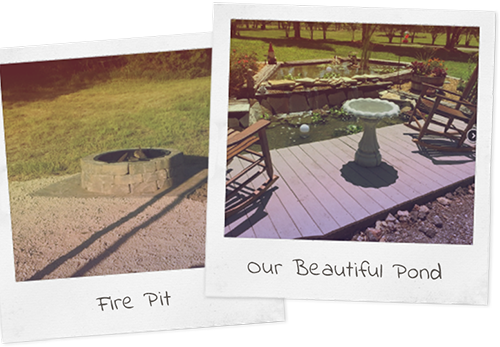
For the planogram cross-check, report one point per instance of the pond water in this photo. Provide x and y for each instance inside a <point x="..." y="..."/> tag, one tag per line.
<point x="282" y="134"/>
<point x="329" y="70"/>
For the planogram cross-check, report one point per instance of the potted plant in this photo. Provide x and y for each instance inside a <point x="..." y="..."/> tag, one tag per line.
<point x="432" y="72"/>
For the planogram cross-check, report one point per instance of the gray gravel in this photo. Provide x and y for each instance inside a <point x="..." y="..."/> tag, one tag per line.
<point x="447" y="220"/>
<point x="60" y="237"/>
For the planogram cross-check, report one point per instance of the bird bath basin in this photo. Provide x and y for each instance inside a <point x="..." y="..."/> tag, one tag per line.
<point x="370" y="112"/>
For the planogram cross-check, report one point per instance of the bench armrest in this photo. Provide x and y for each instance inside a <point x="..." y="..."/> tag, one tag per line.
<point x="250" y="131"/>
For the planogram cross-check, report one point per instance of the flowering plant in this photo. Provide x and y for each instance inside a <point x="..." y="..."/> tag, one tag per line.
<point x="431" y="68"/>
<point x="240" y="64"/>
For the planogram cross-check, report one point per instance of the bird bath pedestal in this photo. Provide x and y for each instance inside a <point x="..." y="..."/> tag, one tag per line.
<point x="370" y="112"/>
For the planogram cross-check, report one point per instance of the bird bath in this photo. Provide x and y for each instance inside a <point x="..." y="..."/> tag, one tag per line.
<point x="370" y="112"/>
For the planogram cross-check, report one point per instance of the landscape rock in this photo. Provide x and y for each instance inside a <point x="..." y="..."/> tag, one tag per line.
<point x="281" y="84"/>
<point x="436" y="220"/>
<point x="262" y="89"/>
<point x="443" y="201"/>
<point x="306" y="81"/>
<point x="406" y="109"/>
<point x="402" y="216"/>
<point x="298" y="103"/>
<point x="461" y="190"/>
<point x="390" y="218"/>
<point x="337" y="98"/>
<point x="380" y="225"/>
<point x="423" y="209"/>
<point x="414" y="216"/>
<point x="391" y="96"/>
<point x="430" y="232"/>
<point x="349" y="81"/>
<point x="373" y="234"/>
<point x="335" y="82"/>
<point x="428" y="224"/>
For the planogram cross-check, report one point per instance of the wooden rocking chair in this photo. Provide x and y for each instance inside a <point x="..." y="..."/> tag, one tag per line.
<point x="431" y="117"/>
<point x="240" y="194"/>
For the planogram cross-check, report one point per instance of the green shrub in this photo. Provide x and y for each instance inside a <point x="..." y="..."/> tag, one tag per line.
<point x="240" y="64"/>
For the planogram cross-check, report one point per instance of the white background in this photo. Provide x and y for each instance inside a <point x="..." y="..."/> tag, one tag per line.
<point x="313" y="320"/>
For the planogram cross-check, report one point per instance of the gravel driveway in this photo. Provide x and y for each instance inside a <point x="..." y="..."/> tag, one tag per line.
<point x="60" y="237"/>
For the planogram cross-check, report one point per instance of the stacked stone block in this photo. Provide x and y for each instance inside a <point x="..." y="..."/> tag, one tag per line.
<point x="136" y="177"/>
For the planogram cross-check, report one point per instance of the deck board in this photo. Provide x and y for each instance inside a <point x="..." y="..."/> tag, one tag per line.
<point x="321" y="189"/>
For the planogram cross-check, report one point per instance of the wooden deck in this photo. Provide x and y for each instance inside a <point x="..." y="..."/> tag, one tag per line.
<point x="322" y="193"/>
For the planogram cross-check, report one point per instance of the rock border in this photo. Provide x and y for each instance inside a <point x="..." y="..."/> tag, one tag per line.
<point x="424" y="218"/>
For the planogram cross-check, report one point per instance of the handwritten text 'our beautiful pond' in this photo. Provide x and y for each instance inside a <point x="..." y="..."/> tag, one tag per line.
<point x="350" y="269"/>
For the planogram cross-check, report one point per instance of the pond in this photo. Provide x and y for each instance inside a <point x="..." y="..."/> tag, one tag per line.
<point x="285" y="132"/>
<point x="344" y="69"/>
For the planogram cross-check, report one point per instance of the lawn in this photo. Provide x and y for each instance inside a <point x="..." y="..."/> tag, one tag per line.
<point x="339" y="43"/>
<point x="48" y="134"/>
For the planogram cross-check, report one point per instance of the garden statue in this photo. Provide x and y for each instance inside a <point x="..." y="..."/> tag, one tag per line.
<point x="271" y="57"/>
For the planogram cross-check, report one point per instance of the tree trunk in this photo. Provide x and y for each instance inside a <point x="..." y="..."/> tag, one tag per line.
<point x="367" y="31"/>
<point x="296" y="30"/>
<point x="452" y="37"/>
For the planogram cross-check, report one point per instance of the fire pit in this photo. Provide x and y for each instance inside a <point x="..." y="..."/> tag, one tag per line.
<point x="132" y="171"/>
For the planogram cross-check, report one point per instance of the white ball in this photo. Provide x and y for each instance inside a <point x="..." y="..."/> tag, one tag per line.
<point x="328" y="69"/>
<point x="304" y="128"/>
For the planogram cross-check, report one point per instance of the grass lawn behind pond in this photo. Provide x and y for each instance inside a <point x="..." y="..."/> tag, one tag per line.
<point x="339" y="43"/>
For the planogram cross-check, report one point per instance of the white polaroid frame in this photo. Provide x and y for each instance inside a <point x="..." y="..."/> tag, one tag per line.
<point x="464" y="269"/>
<point x="46" y="309"/>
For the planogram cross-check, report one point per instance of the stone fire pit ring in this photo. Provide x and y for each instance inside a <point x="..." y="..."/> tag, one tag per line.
<point x="102" y="173"/>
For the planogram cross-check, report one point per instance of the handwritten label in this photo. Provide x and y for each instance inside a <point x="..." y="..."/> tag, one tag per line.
<point x="109" y="303"/>
<point x="363" y="269"/>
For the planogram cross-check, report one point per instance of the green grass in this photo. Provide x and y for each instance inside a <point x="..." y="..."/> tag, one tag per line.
<point x="339" y="43"/>
<point x="48" y="135"/>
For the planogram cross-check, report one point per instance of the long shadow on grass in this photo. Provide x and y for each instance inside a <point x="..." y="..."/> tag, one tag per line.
<point x="25" y="82"/>
<point x="95" y="261"/>
<point x="399" y="50"/>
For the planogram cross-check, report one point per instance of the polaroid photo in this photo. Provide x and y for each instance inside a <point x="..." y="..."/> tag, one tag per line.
<point x="353" y="154"/>
<point x="104" y="163"/>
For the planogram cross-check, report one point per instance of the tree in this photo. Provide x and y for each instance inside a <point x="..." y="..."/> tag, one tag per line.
<point x="470" y="33"/>
<point x="286" y="26"/>
<point x="435" y="32"/>
<point x="453" y="36"/>
<point x="296" y="30"/>
<point x="263" y="24"/>
<point x="389" y="31"/>
<point x="352" y="27"/>
<point x="324" y="27"/>
<point x="234" y="27"/>
<point x="367" y="33"/>
<point x="311" y="25"/>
